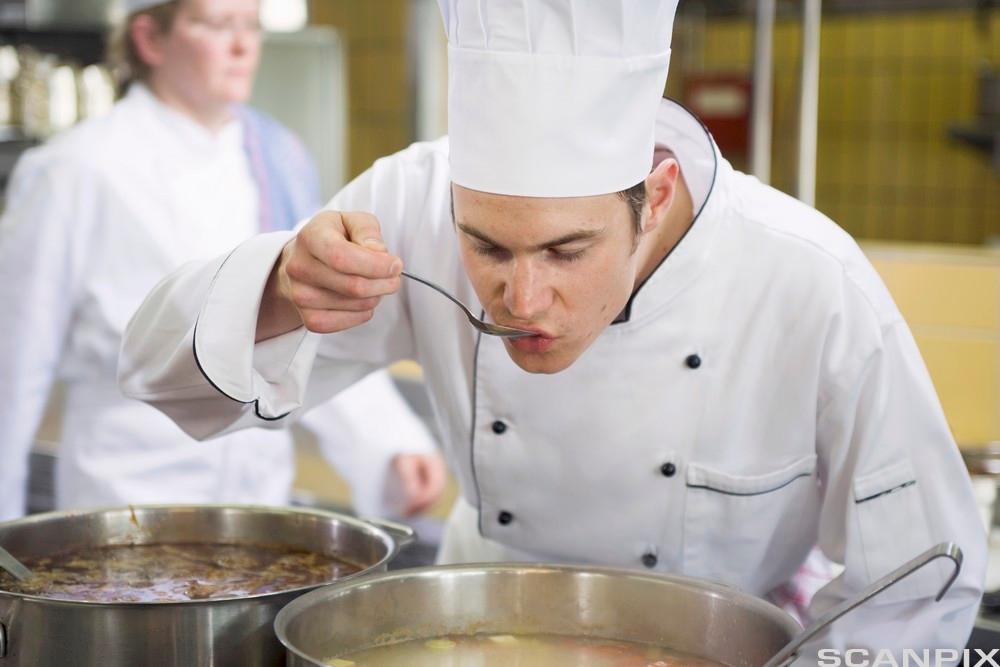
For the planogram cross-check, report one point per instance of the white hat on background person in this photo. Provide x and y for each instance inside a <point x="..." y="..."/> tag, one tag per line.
<point x="554" y="98"/>
<point x="133" y="6"/>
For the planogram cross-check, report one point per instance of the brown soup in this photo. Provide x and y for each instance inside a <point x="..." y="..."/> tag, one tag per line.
<point x="174" y="572"/>
<point x="521" y="650"/>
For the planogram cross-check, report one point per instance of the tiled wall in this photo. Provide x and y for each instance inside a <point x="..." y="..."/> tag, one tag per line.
<point x="890" y="86"/>
<point x="380" y="97"/>
<point x="951" y="299"/>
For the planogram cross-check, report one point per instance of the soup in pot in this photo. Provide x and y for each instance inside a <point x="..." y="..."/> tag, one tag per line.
<point x="174" y="572"/>
<point x="519" y="650"/>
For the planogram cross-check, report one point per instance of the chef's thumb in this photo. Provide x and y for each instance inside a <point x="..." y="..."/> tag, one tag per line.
<point x="364" y="230"/>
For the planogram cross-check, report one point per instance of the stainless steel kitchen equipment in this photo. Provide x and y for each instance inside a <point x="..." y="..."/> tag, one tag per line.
<point x="945" y="550"/>
<point x="41" y="632"/>
<point x="13" y="565"/>
<point x="683" y="614"/>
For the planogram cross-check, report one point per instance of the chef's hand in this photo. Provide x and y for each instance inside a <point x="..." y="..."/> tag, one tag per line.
<point x="416" y="481"/>
<point x="329" y="277"/>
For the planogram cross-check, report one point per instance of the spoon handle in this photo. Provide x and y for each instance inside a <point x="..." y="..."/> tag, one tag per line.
<point x="439" y="290"/>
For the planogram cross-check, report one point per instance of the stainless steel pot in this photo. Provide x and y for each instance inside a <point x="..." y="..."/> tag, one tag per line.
<point x="681" y="613"/>
<point x="694" y="616"/>
<point x="38" y="632"/>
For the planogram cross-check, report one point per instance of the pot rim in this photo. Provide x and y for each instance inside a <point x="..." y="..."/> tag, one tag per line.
<point x="301" y="604"/>
<point x="391" y="544"/>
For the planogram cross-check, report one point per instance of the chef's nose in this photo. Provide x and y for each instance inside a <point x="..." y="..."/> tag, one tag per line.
<point x="526" y="293"/>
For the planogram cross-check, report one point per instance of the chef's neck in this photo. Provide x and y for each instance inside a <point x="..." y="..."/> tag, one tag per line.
<point x="213" y="116"/>
<point x="665" y="236"/>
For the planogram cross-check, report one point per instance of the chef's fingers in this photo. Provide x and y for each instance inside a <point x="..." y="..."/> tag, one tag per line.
<point x="331" y="321"/>
<point x="317" y="298"/>
<point x="364" y="230"/>
<point x="309" y="271"/>
<point x="350" y="243"/>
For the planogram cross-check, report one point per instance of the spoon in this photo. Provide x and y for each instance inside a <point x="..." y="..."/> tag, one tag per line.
<point x="485" y="327"/>
<point x="13" y="565"/>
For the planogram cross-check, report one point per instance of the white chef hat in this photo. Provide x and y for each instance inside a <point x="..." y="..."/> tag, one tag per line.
<point x="554" y="98"/>
<point x="133" y="6"/>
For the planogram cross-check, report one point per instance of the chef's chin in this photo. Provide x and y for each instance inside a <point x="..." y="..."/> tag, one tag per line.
<point x="551" y="361"/>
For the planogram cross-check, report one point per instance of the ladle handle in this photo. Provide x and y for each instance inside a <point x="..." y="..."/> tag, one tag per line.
<point x="943" y="550"/>
<point x="402" y="534"/>
<point x="13" y="565"/>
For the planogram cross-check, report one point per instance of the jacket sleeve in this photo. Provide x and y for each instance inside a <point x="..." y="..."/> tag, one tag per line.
<point x="43" y="237"/>
<point x="189" y="350"/>
<point x="894" y="485"/>
<point x="361" y="430"/>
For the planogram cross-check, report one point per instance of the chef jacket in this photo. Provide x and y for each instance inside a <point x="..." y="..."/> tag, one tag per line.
<point x="95" y="218"/>
<point x="760" y="394"/>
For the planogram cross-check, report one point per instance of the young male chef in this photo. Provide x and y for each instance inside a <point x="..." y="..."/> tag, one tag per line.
<point x="718" y="382"/>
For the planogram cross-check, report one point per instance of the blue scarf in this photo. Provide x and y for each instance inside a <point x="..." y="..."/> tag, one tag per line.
<point x="285" y="174"/>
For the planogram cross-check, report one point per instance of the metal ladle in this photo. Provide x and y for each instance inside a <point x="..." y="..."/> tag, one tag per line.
<point x="943" y="550"/>
<point x="13" y="565"/>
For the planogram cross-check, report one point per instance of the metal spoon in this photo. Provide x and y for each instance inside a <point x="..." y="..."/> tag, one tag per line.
<point x="13" y="565"/>
<point x="485" y="327"/>
<point x="943" y="550"/>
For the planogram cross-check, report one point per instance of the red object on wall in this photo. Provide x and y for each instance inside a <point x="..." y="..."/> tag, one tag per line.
<point x="722" y="100"/>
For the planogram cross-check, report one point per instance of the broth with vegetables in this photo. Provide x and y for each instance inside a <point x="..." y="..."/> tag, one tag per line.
<point x="174" y="572"/>
<point x="519" y="650"/>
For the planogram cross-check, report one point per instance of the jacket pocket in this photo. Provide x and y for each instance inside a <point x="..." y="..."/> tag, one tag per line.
<point x="893" y="529"/>
<point x="750" y="531"/>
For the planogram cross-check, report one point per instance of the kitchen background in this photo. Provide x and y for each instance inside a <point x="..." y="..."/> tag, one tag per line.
<point x="906" y="145"/>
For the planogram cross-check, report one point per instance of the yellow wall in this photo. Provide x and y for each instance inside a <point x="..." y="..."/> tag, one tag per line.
<point x="951" y="299"/>
<point x="890" y="86"/>
<point x="379" y="95"/>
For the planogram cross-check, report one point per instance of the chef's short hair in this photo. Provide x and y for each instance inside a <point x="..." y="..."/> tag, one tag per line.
<point x="123" y="56"/>
<point x="635" y="197"/>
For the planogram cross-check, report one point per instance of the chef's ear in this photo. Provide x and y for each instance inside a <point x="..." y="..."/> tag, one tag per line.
<point x="661" y="186"/>
<point x="147" y="36"/>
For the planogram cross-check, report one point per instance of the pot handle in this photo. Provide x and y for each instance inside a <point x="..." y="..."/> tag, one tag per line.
<point x="943" y="550"/>
<point x="403" y="535"/>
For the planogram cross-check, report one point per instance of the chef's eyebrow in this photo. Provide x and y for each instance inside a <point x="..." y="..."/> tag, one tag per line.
<point x="571" y="237"/>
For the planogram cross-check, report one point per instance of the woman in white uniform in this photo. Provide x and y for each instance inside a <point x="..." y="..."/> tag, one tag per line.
<point x="718" y="380"/>
<point x="178" y="171"/>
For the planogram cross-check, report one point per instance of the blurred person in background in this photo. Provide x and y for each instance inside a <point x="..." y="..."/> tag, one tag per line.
<point x="179" y="170"/>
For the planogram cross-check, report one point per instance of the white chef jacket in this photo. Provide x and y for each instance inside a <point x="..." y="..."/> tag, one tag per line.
<point x="95" y="218"/>
<point x="760" y="395"/>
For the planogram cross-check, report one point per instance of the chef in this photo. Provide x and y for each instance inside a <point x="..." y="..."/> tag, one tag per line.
<point x="180" y="170"/>
<point x="718" y="380"/>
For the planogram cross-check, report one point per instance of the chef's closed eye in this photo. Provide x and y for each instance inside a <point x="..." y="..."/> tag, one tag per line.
<point x="567" y="253"/>
<point x="491" y="251"/>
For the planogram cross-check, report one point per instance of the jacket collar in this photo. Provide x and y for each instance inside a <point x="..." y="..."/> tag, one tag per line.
<point x="706" y="173"/>
<point x="183" y="129"/>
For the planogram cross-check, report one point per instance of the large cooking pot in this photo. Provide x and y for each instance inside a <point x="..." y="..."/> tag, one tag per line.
<point x="38" y="632"/>
<point x="684" y="614"/>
